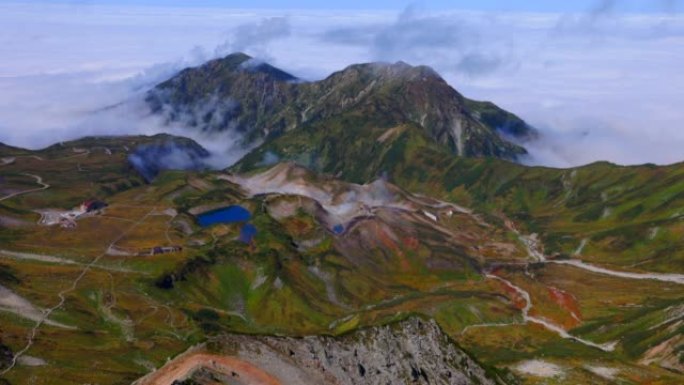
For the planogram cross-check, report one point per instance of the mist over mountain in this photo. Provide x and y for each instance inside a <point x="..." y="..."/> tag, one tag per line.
<point x="263" y="103"/>
<point x="151" y="159"/>
<point x="360" y="196"/>
<point x="580" y="78"/>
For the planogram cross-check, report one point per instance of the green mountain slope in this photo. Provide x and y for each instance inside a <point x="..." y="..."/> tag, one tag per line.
<point x="622" y="215"/>
<point x="361" y="213"/>
<point x="630" y="216"/>
<point x="264" y="103"/>
<point x="329" y="257"/>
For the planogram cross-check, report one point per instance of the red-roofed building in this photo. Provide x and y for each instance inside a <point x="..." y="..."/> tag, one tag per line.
<point x="92" y="205"/>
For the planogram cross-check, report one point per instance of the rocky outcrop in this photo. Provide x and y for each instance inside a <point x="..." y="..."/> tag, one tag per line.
<point x="668" y="354"/>
<point x="414" y="351"/>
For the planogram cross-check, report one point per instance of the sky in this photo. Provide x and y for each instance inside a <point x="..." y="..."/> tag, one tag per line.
<point x="601" y="80"/>
<point x="556" y="6"/>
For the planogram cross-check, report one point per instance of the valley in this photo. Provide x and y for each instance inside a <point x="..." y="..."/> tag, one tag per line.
<point x="328" y="257"/>
<point x="378" y="231"/>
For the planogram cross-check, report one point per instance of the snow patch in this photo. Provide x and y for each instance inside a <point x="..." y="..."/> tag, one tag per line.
<point x="581" y="246"/>
<point x="602" y="371"/>
<point x="258" y="281"/>
<point x="539" y="368"/>
<point x="606" y="212"/>
<point x="430" y="215"/>
<point x="30" y="361"/>
<point x="653" y="232"/>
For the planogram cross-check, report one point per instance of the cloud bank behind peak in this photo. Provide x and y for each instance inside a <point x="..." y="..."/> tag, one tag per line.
<point x="600" y="85"/>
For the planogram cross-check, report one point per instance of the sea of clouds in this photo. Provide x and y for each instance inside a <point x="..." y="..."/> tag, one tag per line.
<point x="599" y="85"/>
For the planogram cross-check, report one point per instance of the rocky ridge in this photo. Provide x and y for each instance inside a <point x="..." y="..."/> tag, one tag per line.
<point x="412" y="351"/>
<point x="239" y="94"/>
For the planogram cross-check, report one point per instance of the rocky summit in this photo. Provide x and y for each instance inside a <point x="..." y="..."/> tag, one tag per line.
<point x="413" y="351"/>
<point x="238" y="93"/>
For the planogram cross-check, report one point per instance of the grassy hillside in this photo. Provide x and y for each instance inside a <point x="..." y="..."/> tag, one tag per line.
<point x="628" y="216"/>
<point x="397" y="254"/>
<point x="239" y="94"/>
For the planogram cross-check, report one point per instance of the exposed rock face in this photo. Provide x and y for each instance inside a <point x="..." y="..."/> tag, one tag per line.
<point x="235" y="93"/>
<point x="238" y="94"/>
<point x="401" y="93"/>
<point x="669" y="354"/>
<point x="411" y="352"/>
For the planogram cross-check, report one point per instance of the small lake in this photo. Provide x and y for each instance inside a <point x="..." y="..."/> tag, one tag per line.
<point x="230" y="214"/>
<point x="247" y="233"/>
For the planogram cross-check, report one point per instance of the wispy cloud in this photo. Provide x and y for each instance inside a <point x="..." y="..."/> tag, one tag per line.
<point x="256" y="37"/>
<point x="449" y="41"/>
<point x="600" y="85"/>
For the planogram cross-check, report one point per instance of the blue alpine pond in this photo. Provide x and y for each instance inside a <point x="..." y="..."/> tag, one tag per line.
<point x="230" y="214"/>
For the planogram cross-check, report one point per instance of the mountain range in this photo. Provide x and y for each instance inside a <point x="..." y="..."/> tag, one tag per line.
<point x="266" y="104"/>
<point x="378" y="230"/>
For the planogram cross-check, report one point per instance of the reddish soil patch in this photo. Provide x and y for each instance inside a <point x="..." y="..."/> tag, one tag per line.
<point x="183" y="366"/>
<point x="518" y="300"/>
<point x="411" y="243"/>
<point x="386" y="240"/>
<point x="297" y="226"/>
<point x="568" y="302"/>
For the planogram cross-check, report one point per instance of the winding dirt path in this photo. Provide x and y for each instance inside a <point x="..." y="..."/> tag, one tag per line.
<point x="22" y="256"/>
<point x="14" y="303"/>
<point x="39" y="180"/>
<point x="62" y="294"/>
<point x="670" y="278"/>
<point x="532" y="244"/>
<point x="185" y="365"/>
<point x="607" y="347"/>
<point x="36" y="257"/>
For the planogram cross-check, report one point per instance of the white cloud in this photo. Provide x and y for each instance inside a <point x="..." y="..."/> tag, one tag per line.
<point x="600" y="86"/>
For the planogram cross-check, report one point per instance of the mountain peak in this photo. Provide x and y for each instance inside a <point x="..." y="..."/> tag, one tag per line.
<point x="261" y="102"/>
<point x="258" y="66"/>
<point x="240" y="62"/>
<point x="236" y="58"/>
<point x="398" y="71"/>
